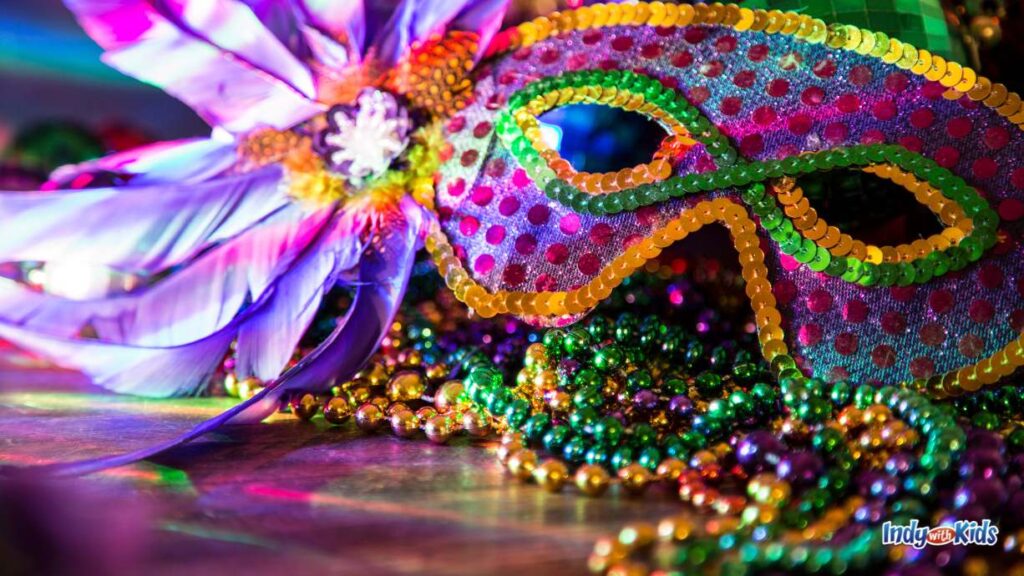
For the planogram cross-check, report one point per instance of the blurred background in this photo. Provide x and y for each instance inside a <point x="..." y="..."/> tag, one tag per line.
<point x="60" y="104"/>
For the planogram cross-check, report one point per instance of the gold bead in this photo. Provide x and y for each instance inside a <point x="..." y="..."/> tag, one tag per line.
<point x="426" y="413"/>
<point x="635" y="479"/>
<point x="505" y="451"/>
<point x="376" y="374"/>
<point x="395" y="408"/>
<point x="438" y="429"/>
<point x="406" y="386"/>
<point x="675" y="528"/>
<point x="536" y="355"/>
<point x="380" y="402"/>
<point x="305" y="407"/>
<point x="249" y="387"/>
<point x="559" y="401"/>
<point x="476" y="424"/>
<point x="359" y="395"/>
<point x="369" y="417"/>
<point x="522" y="463"/>
<point x="436" y="372"/>
<point x="628" y="569"/>
<point x="546" y="380"/>
<point x="511" y="437"/>
<point x="410" y="358"/>
<point x="447" y="396"/>
<point x="671" y="469"/>
<point x="551" y="475"/>
<point x="404" y="424"/>
<point x="592" y="480"/>
<point x="231" y="385"/>
<point x="638" y="535"/>
<point x="337" y="410"/>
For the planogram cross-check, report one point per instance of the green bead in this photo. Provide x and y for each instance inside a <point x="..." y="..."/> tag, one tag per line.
<point x="607" y="431"/>
<point x="639" y="380"/>
<point x="622" y="457"/>
<point x="675" y="385"/>
<point x="649" y="458"/>
<point x="721" y="410"/>
<point x="517" y="412"/>
<point x="553" y="341"/>
<point x="575" y="450"/>
<point x="578" y="341"/>
<point x="626" y="327"/>
<point x="582" y="419"/>
<point x="587" y="378"/>
<point x="598" y="456"/>
<point x="742" y="404"/>
<point x="608" y="358"/>
<point x="536" y="426"/>
<point x="765" y="395"/>
<point x="555" y="438"/>
<point x="986" y="420"/>
<point x="709" y="384"/>
<point x="588" y="398"/>
<point x="643" y="435"/>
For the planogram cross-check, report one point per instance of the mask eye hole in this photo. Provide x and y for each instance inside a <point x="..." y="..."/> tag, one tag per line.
<point x="869" y="208"/>
<point x="594" y="138"/>
<point x="808" y="222"/>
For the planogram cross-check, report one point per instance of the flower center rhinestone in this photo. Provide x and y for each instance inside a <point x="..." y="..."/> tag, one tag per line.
<point x="362" y="139"/>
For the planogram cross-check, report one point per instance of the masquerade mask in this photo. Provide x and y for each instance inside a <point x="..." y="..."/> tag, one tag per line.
<point x="322" y="172"/>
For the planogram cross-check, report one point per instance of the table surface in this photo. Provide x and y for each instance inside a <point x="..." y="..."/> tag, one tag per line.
<point x="286" y="495"/>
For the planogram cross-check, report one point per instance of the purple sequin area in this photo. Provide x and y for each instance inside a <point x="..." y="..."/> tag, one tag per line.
<point x="773" y="96"/>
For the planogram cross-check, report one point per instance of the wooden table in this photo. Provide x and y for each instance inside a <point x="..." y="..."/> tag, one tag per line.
<point x="291" y="497"/>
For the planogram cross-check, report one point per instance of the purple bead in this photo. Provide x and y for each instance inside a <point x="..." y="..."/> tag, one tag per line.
<point x="985" y="440"/>
<point x="645" y="401"/>
<point x="899" y="463"/>
<point x="1013" y="513"/>
<point x="799" y="468"/>
<point x="981" y="463"/>
<point x="988" y="493"/>
<point x="758" y="449"/>
<point x="681" y="408"/>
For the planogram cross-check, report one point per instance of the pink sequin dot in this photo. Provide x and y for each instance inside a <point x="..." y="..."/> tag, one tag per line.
<point x="791" y="61"/>
<point x="514" y="274"/>
<point x="569" y="224"/>
<point x="592" y="37"/>
<point x="971" y="346"/>
<point x="457" y="187"/>
<point x="495" y="234"/>
<point x="456" y="124"/>
<point x="996" y="137"/>
<point x="902" y="293"/>
<point x="825" y="69"/>
<point x="836" y="132"/>
<point x="538" y="214"/>
<point x="699" y="94"/>
<point x="484" y="263"/>
<point x="589" y="264"/>
<point x="959" y="127"/>
<point x="846" y="343"/>
<point x="469" y="157"/>
<point x="764" y="115"/>
<point x="758" y="52"/>
<point x="751" y="145"/>
<point x="809" y="334"/>
<point x="921" y="118"/>
<point x="730" y="105"/>
<point x="981" y="311"/>
<point x="545" y="283"/>
<point x="984" y="168"/>
<point x="520" y="178"/>
<point x="712" y="69"/>
<point x="922" y="367"/>
<point x="651" y="51"/>
<point x="940" y="301"/>
<point x="682" y="59"/>
<point x="482" y="195"/>
<point x="469" y="225"/>
<point x="622" y="43"/>
<point x="947" y="156"/>
<point x="860" y="75"/>
<point x="508" y="206"/>
<point x="884" y="110"/>
<point x="482" y="129"/>
<point x="744" y="79"/>
<point x="855" y="311"/>
<point x="784" y="291"/>
<point x="837" y="374"/>
<point x="800" y="124"/>
<point x="601" y="234"/>
<point x="496" y="168"/>
<point x="883" y="356"/>
<point x="896" y="82"/>
<point x="848" y="103"/>
<point x="990" y="276"/>
<point x="819" y="301"/>
<point x="932" y="334"/>
<point x="1011" y="209"/>
<point x="557" y="254"/>
<point x="812" y="96"/>
<point x="1017" y="320"/>
<point x="725" y="44"/>
<point x="526" y="244"/>
<point x="893" y="322"/>
<point x="777" y="88"/>
<point x="693" y="35"/>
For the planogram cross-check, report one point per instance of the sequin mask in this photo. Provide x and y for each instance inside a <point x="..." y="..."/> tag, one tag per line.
<point x="749" y="101"/>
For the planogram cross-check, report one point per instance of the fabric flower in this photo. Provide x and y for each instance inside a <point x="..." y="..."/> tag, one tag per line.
<point x="237" y="237"/>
